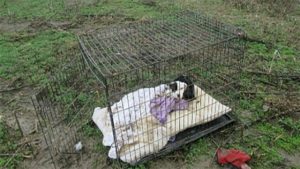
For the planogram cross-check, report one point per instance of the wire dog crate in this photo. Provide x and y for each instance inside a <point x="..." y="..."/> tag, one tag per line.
<point x="133" y="61"/>
<point x="159" y="84"/>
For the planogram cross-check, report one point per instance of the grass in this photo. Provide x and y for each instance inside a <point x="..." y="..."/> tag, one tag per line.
<point x="129" y="8"/>
<point x="286" y="61"/>
<point x="31" y="55"/>
<point x="270" y="7"/>
<point x="201" y="147"/>
<point x="267" y="141"/>
<point x="257" y="24"/>
<point x="8" y="146"/>
<point x="32" y="9"/>
<point x="59" y="9"/>
<point x="280" y="137"/>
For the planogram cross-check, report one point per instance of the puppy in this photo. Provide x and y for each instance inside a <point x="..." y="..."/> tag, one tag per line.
<point x="183" y="88"/>
<point x="177" y="89"/>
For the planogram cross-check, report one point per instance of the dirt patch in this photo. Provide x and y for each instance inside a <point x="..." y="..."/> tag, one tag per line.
<point x="60" y="24"/>
<point x="84" y="24"/>
<point x="16" y="99"/>
<point x="13" y="27"/>
<point x="88" y="24"/>
<point x="41" y="157"/>
<point x="18" y="102"/>
<point x="34" y="26"/>
<point x="43" y="25"/>
<point x="167" y="164"/>
<point x="296" y="115"/>
<point x="72" y="3"/>
<point x="291" y="160"/>
<point x="206" y="162"/>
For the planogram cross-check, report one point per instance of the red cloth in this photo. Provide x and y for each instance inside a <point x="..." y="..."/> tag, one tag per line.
<point x="235" y="157"/>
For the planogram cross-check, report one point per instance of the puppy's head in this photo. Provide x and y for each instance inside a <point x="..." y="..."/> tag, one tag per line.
<point x="177" y="89"/>
<point x="189" y="92"/>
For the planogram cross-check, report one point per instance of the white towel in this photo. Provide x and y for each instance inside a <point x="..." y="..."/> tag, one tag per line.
<point x="140" y="134"/>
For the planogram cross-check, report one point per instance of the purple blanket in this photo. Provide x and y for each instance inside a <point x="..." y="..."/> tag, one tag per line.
<point x="160" y="107"/>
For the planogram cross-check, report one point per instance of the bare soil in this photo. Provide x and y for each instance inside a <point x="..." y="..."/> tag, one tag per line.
<point x="15" y="98"/>
<point x="72" y="3"/>
<point x="83" y="24"/>
<point x="13" y="27"/>
<point x="291" y="160"/>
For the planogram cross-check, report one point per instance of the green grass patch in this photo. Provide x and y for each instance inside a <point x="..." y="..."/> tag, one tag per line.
<point x="59" y="9"/>
<point x="127" y="8"/>
<point x="31" y="57"/>
<point x="282" y="138"/>
<point x="267" y="140"/>
<point x="276" y="59"/>
<point x="90" y="131"/>
<point x="199" y="148"/>
<point x="32" y="9"/>
<point x="8" y="146"/>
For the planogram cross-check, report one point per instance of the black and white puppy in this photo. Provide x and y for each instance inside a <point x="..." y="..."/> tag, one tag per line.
<point x="182" y="87"/>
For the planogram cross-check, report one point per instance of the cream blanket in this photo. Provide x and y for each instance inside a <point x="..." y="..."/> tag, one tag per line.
<point x="145" y="135"/>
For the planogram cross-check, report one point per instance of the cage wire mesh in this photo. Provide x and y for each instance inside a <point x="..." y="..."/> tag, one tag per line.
<point x="62" y="107"/>
<point x="134" y="73"/>
<point x="134" y="57"/>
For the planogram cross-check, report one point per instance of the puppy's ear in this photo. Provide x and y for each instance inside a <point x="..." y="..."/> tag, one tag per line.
<point x="173" y="86"/>
<point x="189" y="93"/>
<point x="180" y="78"/>
<point x="185" y="79"/>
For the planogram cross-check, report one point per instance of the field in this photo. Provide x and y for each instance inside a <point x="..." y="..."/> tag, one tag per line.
<point x="39" y="36"/>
